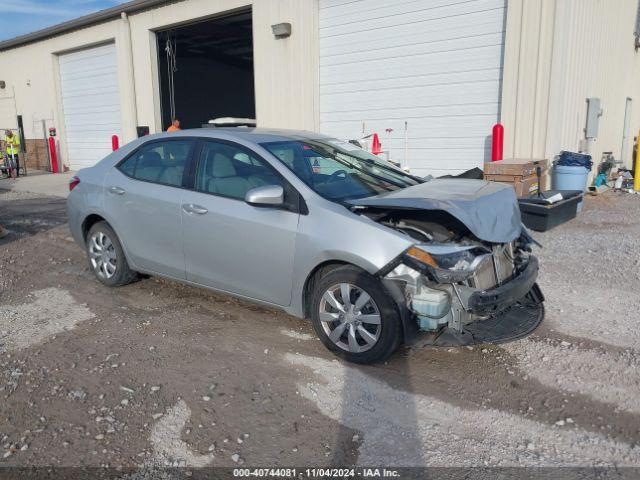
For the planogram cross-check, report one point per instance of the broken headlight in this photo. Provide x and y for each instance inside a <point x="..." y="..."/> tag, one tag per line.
<point x="445" y="263"/>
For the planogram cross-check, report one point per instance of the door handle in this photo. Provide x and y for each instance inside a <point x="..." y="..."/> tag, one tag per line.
<point x="191" y="208"/>
<point x="116" y="190"/>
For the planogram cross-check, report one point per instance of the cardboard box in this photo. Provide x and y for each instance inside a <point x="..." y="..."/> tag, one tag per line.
<point x="527" y="187"/>
<point x="519" y="173"/>
<point x="523" y="186"/>
<point x="523" y="167"/>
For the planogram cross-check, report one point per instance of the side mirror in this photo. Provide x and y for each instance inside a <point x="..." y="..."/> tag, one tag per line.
<point x="267" y="196"/>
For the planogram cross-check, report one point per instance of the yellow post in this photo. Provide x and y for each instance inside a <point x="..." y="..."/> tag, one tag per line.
<point x="636" y="174"/>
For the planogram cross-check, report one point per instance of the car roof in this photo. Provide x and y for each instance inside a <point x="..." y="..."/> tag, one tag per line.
<point x="254" y="135"/>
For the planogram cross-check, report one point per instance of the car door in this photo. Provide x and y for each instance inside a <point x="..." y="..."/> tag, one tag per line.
<point x="143" y="197"/>
<point x="231" y="245"/>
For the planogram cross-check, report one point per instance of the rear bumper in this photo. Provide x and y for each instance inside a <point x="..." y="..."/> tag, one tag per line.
<point x="489" y="302"/>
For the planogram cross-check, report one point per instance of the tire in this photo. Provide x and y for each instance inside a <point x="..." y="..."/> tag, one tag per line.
<point x="359" y="338"/>
<point x="106" y="256"/>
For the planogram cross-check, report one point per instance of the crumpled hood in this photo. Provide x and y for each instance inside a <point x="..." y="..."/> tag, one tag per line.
<point x="488" y="209"/>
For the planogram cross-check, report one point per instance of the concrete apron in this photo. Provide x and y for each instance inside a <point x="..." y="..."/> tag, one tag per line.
<point x="43" y="183"/>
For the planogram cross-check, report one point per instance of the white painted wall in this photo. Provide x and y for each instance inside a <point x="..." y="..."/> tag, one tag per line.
<point x="7" y="109"/>
<point x="32" y="71"/>
<point x="285" y="70"/>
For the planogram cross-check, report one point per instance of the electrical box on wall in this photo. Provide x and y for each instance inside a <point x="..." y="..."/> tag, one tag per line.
<point x="594" y="112"/>
<point x="281" y="30"/>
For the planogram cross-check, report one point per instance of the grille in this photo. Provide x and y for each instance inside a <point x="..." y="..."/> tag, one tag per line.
<point x="500" y="262"/>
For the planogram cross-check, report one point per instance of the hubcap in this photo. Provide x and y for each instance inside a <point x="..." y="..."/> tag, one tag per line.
<point x="103" y="255"/>
<point x="350" y="317"/>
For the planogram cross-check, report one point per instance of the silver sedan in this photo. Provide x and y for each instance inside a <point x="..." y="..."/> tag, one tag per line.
<point x="374" y="256"/>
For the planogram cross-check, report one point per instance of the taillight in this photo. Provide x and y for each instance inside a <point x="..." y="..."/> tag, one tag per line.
<point x="73" y="183"/>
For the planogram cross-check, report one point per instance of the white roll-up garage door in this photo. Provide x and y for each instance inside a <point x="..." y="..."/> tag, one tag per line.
<point x="91" y="103"/>
<point x="435" y="64"/>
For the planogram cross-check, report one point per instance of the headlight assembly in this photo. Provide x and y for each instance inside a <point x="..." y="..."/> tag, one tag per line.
<point x="446" y="263"/>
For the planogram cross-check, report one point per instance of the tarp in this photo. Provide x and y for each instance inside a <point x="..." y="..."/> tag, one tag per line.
<point x="571" y="159"/>
<point x="488" y="209"/>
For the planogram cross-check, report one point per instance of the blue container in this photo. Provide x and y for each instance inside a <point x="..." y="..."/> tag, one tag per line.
<point x="571" y="159"/>
<point x="570" y="178"/>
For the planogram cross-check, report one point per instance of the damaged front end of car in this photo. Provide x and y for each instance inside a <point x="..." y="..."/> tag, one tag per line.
<point x="467" y="294"/>
<point x="463" y="281"/>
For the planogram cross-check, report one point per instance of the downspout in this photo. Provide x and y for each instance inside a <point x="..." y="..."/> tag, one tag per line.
<point x="131" y="80"/>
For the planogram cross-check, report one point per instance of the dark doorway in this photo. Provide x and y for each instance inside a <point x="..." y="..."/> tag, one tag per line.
<point x="206" y="70"/>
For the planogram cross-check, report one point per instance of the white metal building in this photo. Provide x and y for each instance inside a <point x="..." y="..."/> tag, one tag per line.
<point x="436" y="65"/>
<point x="437" y="73"/>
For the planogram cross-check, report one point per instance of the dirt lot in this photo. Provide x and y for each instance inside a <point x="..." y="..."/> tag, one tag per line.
<point x="159" y="373"/>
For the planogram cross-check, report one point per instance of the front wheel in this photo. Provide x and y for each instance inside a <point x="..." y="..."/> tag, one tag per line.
<point x="354" y="316"/>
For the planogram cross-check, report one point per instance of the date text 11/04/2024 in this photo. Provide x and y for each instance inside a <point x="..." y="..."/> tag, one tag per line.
<point x="316" y="472"/>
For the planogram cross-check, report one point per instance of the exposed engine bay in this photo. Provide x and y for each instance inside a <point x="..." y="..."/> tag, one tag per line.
<point x="450" y="278"/>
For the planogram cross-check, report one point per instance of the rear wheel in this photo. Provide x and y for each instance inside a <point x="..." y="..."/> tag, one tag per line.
<point x="106" y="257"/>
<point x="354" y="316"/>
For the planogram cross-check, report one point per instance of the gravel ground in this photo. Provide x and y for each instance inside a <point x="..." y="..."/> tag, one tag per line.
<point x="157" y="373"/>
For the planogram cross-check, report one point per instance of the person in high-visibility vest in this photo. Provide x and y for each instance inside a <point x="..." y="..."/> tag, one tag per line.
<point x="12" y="143"/>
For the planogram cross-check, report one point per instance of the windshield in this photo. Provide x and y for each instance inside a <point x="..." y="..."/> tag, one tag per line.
<point x="339" y="170"/>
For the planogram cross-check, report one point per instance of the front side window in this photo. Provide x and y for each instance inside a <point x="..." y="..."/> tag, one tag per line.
<point x="338" y="170"/>
<point x="159" y="162"/>
<point x="230" y="171"/>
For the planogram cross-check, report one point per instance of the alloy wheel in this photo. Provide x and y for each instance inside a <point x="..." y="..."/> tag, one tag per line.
<point x="102" y="254"/>
<point x="350" y="317"/>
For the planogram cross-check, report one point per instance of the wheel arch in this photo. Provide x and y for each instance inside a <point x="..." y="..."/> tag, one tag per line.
<point x="315" y="274"/>
<point x="89" y="221"/>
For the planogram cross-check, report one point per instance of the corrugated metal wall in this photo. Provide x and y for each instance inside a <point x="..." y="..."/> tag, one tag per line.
<point x="558" y="53"/>
<point x="435" y="64"/>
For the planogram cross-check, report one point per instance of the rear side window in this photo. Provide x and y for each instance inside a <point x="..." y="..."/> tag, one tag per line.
<point x="159" y="162"/>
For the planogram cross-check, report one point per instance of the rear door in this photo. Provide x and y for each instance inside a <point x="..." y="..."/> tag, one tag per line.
<point x="143" y="196"/>
<point x="228" y="244"/>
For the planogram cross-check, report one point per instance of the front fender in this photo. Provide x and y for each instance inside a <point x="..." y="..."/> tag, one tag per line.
<point x="332" y="233"/>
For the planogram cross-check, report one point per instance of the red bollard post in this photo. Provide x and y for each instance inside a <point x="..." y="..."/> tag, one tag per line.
<point x="115" y="144"/>
<point x="54" y="155"/>
<point x="497" y="142"/>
